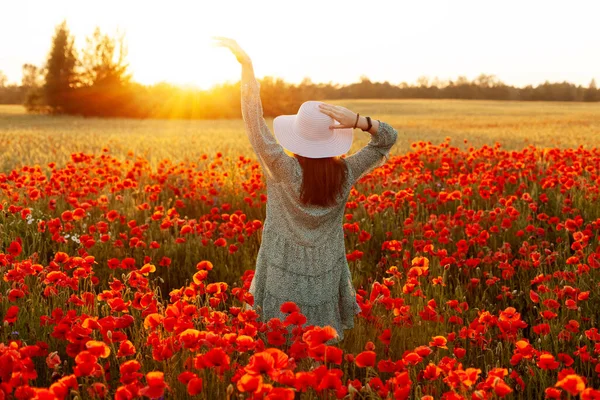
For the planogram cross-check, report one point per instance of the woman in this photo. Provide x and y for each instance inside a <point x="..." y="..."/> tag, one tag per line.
<point x="302" y="257"/>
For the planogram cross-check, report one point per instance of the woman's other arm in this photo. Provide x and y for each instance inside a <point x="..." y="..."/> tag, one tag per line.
<point x="376" y="152"/>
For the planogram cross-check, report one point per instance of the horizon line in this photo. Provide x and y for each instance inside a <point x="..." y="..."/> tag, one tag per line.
<point x="331" y="82"/>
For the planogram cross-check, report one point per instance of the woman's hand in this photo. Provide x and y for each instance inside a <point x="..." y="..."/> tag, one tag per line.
<point x="345" y="117"/>
<point x="235" y="48"/>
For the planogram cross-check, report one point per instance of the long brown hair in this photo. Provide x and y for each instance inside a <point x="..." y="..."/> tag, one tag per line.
<point x="322" y="180"/>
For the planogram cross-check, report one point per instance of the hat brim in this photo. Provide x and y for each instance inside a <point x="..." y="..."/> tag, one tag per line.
<point x="337" y="144"/>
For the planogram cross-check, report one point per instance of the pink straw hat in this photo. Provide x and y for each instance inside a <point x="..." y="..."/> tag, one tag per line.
<point x="307" y="133"/>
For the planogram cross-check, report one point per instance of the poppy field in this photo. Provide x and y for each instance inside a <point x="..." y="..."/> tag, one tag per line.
<point x="125" y="273"/>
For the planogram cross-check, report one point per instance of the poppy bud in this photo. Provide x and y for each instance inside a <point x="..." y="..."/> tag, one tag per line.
<point x="351" y="389"/>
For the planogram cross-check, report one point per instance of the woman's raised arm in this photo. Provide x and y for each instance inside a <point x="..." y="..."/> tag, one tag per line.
<point x="276" y="164"/>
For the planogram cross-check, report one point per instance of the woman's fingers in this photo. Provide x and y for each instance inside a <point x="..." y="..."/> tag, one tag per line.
<point x="336" y="110"/>
<point x="335" y="116"/>
<point x="332" y="111"/>
<point x="340" y="126"/>
<point x="224" y="40"/>
<point x="326" y="107"/>
<point x="327" y="112"/>
<point x="233" y="46"/>
<point x="337" y="113"/>
<point x="227" y="42"/>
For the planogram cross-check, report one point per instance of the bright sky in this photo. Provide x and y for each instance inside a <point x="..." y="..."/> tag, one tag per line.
<point x="520" y="41"/>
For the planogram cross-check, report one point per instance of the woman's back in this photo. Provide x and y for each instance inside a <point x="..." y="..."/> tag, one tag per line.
<point x="302" y="257"/>
<point x="305" y="224"/>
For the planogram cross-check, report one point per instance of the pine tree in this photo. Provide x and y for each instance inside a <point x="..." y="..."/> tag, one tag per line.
<point x="592" y="93"/>
<point x="61" y="71"/>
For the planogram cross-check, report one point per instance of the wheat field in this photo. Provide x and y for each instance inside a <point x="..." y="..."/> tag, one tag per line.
<point x="42" y="139"/>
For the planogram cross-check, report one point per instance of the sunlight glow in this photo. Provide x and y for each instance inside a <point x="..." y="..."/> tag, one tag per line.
<point x="203" y="67"/>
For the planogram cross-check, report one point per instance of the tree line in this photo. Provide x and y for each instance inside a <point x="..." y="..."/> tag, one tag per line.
<point x="96" y="82"/>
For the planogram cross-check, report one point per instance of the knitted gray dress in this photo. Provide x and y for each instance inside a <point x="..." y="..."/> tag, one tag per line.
<point x="302" y="257"/>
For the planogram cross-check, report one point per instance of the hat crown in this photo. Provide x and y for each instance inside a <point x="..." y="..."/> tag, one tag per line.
<point x="307" y="133"/>
<point x="311" y="123"/>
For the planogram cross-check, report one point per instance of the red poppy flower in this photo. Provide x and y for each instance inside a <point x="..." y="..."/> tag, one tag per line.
<point x="98" y="348"/>
<point x="547" y="361"/>
<point x="279" y="357"/>
<point x="250" y="383"/>
<point x="261" y="362"/>
<point x="412" y="358"/>
<point x="87" y="364"/>
<point x="190" y="338"/>
<point x="331" y="379"/>
<point x="305" y="380"/>
<point x="552" y="393"/>
<point x="14" y="248"/>
<point x="129" y="372"/>
<point x="459" y="352"/>
<point x="289" y="307"/>
<point x="204" y="266"/>
<point x="15" y="294"/>
<point x="501" y="388"/>
<point x="572" y="383"/>
<point x="194" y="386"/>
<point x="126" y="348"/>
<point x="365" y="359"/>
<point x="216" y="357"/>
<point x="319" y="335"/>
<point x="155" y="385"/>
<point x="431" y="372"/>
<point x="295" y="318"/>
<point x="112" y="215"/>
<point x="386" y="336"/>
<point x="439" y="341"/>
<point x="147" y="269"/>
<point x="333" y="354"/>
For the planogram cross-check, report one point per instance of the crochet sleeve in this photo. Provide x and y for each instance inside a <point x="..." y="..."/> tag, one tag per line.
<point x="374" y="154"/>
<point x="275" y="162"/>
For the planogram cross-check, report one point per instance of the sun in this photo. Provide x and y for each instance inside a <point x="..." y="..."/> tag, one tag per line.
<point x="197" y="64"/>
